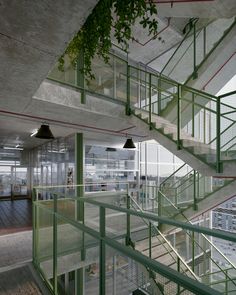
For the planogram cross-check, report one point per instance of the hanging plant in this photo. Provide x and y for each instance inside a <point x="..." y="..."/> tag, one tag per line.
<point x="94" y="38"/>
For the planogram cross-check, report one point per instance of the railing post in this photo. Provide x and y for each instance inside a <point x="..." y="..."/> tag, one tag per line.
<point x="80" y="76"/>
<point x="195" y="75"/>
<point x="193" y="115"/>
<point x="55" y="244"/>
<point x="204" y="42"/>
<point x="128" y="108"/>
<point x="159" y="202"/>
<point x="102" y="258"/>
<point x="128" y="235"/>
<point x="226" y="281"/>
<point x="193" y="252"/>
<point x="219" y="164"/>
<point x="150" y="101"/>
<point x="179" y="143"/>
<point x="195" y="207"/>
<point x="176" y="197"/>
<point x="178" y="269"/>
<point x="150" y="239"/>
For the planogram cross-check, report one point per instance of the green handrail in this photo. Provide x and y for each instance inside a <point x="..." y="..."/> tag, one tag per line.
<point x="158" y="232"/>
<point x="103" y="239"/>
<point x="212" y="245"/>
<point x="222" y="254"/>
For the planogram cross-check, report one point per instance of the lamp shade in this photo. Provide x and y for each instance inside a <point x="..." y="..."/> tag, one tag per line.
<point x="44" y="132"/>
<point x="129" y="144"/>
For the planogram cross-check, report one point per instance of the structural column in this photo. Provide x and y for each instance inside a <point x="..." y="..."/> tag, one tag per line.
<point x="79" y="209"/>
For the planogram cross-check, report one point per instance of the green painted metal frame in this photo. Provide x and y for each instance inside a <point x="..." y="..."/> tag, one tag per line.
<point x="79" y="164"/>
<point x="155" y="266"/>
<point x="80" y="79"/>
<point x="155" y="84"/>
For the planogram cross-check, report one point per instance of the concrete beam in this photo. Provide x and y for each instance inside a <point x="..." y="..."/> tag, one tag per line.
<point x="32" y="36"/>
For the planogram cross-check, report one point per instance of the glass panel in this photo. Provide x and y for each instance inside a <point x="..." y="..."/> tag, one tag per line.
<point x="5" y="181"/>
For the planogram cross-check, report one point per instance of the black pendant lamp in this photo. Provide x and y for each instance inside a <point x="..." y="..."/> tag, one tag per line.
<point x="44" y="132"/>
<point x="129" y="144"/>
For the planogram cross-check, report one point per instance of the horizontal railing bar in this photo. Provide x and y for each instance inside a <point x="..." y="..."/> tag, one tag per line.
<point x="173" y="173"/>
<point x="173" y="275"/>
<point x="227" y="94"/>
<point x="211" y="232"/>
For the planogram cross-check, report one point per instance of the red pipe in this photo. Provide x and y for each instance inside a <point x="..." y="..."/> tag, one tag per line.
<point x="143" y="44"/>
<point x="59" y="122"/>
<point x="217" y="72"/>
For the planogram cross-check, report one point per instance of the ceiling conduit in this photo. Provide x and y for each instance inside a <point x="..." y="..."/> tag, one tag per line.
<point x="72" y="125"/>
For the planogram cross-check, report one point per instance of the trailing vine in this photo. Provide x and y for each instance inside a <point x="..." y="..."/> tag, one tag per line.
<point x="94" y="38"/>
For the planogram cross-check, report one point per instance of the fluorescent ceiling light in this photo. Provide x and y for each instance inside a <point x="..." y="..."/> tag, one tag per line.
<point x="34" y="132"/>
<point x="12" y="148"/>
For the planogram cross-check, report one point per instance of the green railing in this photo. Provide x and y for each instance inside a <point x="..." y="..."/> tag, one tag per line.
<point x="65" y="243"/>
<point x="195" y="249"/>
<point x="197" y="45"/>
<point x="221" y="282"/>
<point x="200" y="123"/>
<point x="186" y="187"/>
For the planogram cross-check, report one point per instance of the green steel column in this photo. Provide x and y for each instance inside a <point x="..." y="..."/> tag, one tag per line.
<point x="150" y="102"/>
<point x="80" y="76"/>
<point x="195" y="207"/>
<point x="35" y="226"/>
<point x="55" y="244"/>
<point x="159" y="94"/>
<point x="195" y="75"/>
<point x="219" y="164"/>
<point x="79" y="180"/>
<point x="128" y="235"/>
<point x="102" y="258"/>
<point x="179" y="95"/>
<point x="128" y="107"/>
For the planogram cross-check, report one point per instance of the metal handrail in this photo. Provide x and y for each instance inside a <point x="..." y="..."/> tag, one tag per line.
<point x="178" y="278"/>
<point x="172" y="174"/>
<point x="185" y="37"/>
<point x="169" y="244"/>
<point x="233" y="266"/>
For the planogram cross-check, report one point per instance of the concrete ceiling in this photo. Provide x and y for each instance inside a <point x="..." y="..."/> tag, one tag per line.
<point x="34" y="34"/>
<point x="197" y="8"/>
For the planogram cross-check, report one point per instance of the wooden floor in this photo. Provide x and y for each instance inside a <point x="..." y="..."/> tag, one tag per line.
<point x="15" y="216"/>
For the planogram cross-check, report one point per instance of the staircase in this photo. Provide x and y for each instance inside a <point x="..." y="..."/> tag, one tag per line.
<point x="157" y="247"/>
<point x="178" y="256"/>
<point x="194" y="193"/>
<point x="206" y="136"/>
<point x="201" y="55"/>
<point x="201" y="52"/>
